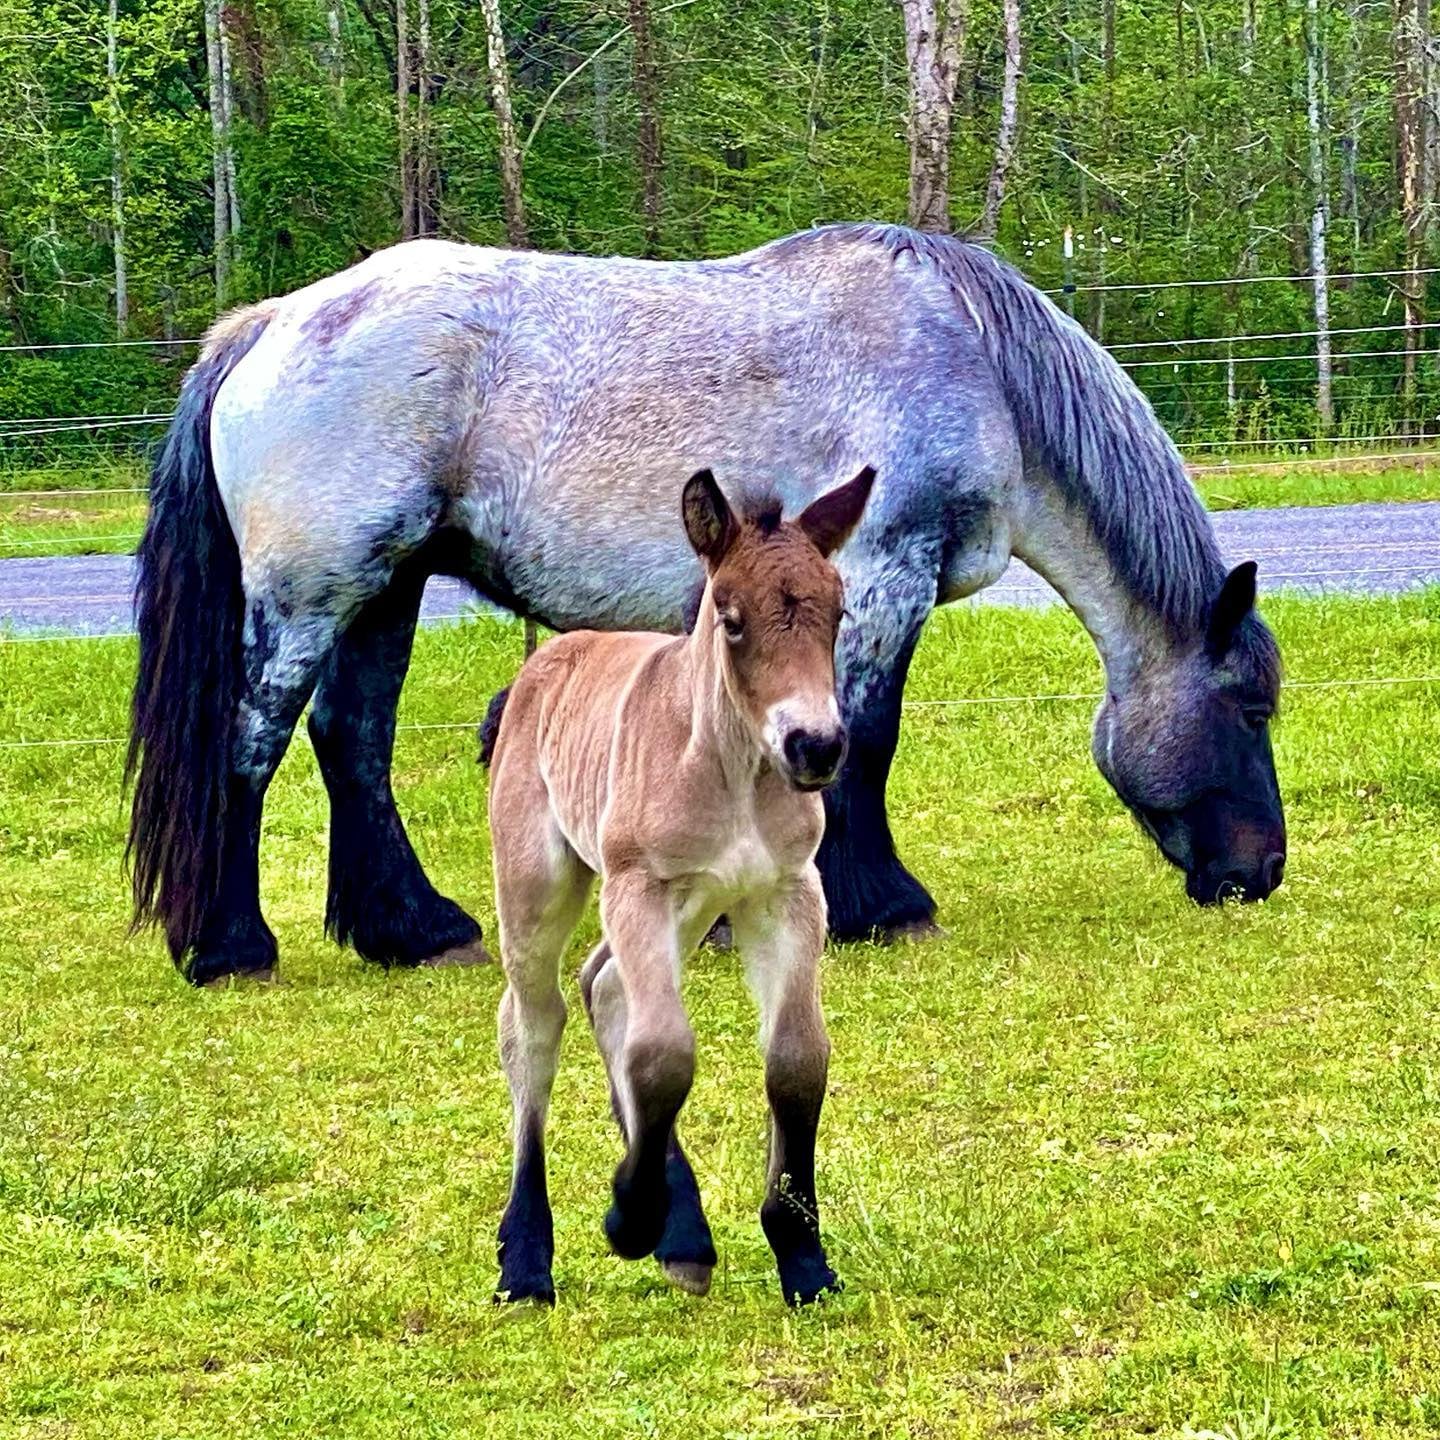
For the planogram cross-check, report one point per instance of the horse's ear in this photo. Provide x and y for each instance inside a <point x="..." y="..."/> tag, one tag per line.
<point x="830" y="520"/>
<point x="1234" y="602"/>
<point x="709" y="521"/>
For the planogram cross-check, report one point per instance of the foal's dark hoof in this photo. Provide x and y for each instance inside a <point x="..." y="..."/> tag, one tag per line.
<point x="635" y="1231"/>
<point x="806" y="1281"/>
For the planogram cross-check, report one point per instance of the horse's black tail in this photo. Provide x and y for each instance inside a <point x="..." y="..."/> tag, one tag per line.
<point x="490" y="726"/>
<point x="188" y="611"/>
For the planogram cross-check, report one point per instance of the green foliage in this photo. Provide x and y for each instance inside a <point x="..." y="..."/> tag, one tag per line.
<point x="1186" y="158"/>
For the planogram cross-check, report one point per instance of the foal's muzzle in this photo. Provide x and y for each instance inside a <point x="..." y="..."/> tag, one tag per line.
<point x="813" y="757"/>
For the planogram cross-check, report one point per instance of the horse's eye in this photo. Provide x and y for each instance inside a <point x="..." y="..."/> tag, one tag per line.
<point x="734" y="625"/>
<point x="1256" y="717"/>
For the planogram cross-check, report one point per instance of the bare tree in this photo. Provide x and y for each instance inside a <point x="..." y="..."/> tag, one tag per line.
<point x="647" y="96"/>
<point x="1410" y="30"/>
<point x="427" y="204"/>
<point x="934" y="46"/>
<point x="223" y="166"/>
<point x="512" y="191"/>
<point x="1319" y="209"/>
<point x="117" y="181"/>
<point x="1009" y="121"/>
<point x="402" y="119"/>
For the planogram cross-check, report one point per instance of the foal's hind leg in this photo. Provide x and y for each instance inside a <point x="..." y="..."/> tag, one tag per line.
<point x="380" y="899"/>
<point x="781" y="942"/>
<point x="686" y="1251"/>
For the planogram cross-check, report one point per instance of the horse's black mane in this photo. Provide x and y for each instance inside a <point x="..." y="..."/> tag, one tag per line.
<point x="1082" y="419"/>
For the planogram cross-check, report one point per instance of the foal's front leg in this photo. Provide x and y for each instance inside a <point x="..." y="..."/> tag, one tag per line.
<point x="686" y="1252"/>
<point x="540" y="889"/>
<point x="653" y="1064"/>
<point x="781" y="940"/>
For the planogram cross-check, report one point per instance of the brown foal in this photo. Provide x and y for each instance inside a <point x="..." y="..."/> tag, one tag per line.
<point x="685" y="773"/>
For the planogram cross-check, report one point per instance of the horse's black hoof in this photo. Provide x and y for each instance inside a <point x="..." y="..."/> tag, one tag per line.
<point x="691" y="1276"/>
<point x="635" y="1230"/>
<point x="532" y="1290"/>
<point x="803" y="1282"/>
<point x="912" y="932"/>
<point x="242" y="950"/>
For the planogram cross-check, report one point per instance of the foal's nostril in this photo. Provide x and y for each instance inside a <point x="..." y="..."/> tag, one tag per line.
<point x="812" y="757"/>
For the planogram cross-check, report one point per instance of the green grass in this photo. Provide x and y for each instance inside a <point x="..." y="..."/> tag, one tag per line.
<point x="48" y="512"/>
<point x="1243" y="487"/>
<point x="1099" y="1163"/>
<point x="72" y="523"/>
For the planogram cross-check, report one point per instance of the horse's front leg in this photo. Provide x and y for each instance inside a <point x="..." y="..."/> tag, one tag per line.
<point x="380" y="899"/>
<point x="651" y="1059"/>
<point x="781" y="940"/>
<point x="868" y="891"/>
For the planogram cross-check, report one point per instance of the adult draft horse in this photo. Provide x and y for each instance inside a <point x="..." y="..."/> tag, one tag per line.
<point x="683" y="773"/>
<point x="519" y="420"/>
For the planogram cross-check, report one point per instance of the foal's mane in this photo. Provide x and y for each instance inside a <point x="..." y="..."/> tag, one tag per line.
<point x="1081" y="417"/>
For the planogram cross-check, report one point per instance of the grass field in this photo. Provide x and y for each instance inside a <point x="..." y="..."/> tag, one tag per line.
<point x="1099" y="1163"/>
<point x="65" y="519"/>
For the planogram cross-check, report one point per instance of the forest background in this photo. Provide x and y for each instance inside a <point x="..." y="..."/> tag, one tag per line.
<point x="162" y="159"/>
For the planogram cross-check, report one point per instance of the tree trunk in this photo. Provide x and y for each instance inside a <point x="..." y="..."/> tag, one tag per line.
<point x="219" y="140"/>
<point x="117" y="182"/>
<point x="426" y="200"/>
<point x="647" y="95"/>
<point x="600" y="114"/>
<point x="1410" y="35"/>
<point x="227" y="115"/>
<point x="512" y="192"/>
<point x="402" y="119"/>
<point x="1009" y="119"/>
<point x="1319" y="210"/>
<point x="934" y="43"/>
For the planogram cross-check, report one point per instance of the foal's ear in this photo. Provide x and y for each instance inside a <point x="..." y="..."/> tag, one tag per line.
<point x="1234" y="602"/>
<point x="709" y="521"/>
<point x="830" y="520"/>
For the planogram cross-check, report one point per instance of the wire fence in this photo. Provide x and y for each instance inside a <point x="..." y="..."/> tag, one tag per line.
<point x="1360" y="682"/>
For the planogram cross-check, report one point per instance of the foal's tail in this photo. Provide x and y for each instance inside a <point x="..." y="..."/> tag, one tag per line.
<point x="188" y="611"/>
<point x="490" y="726"/>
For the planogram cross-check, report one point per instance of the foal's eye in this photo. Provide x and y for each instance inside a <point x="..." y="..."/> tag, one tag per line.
<point x="734" y="625"/>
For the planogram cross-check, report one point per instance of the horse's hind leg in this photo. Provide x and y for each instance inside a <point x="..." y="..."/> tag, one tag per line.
<point x="686" y="1251"/>
<point x="282" y="658"/>
<point x="380" y="899"/>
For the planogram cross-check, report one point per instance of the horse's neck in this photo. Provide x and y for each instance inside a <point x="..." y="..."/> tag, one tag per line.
<point x="1058" y="542"/>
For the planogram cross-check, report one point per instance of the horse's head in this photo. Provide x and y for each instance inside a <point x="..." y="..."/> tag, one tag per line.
<point x="1187" y="749"/>
<point x="773" y="601"/>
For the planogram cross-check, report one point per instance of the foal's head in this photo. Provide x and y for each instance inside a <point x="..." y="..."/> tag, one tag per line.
<point x="777" y="601"/>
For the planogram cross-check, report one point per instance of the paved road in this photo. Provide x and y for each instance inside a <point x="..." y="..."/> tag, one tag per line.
<point x="1348" y="548"/>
